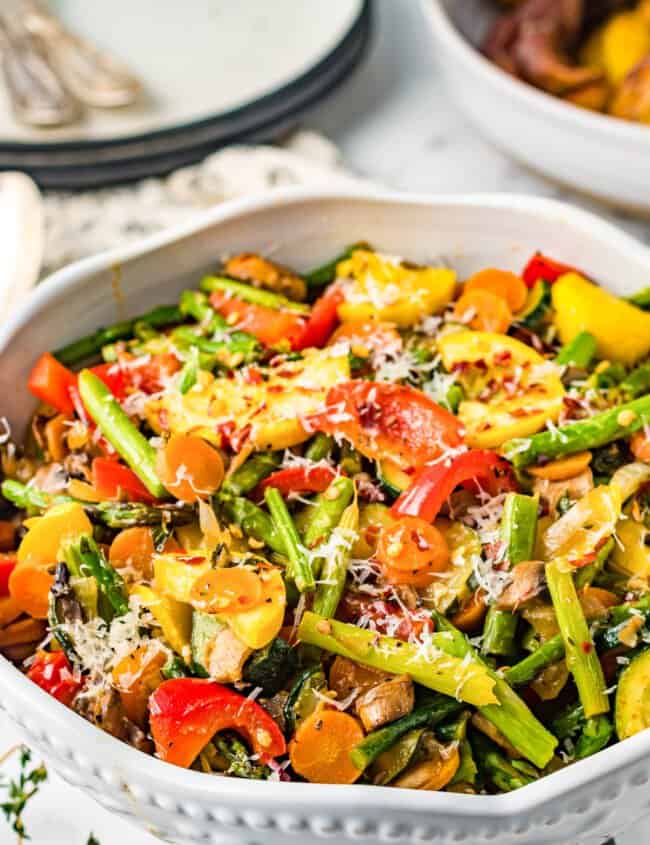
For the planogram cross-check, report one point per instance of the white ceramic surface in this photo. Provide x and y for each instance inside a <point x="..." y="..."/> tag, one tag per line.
<point x="196" y="59"/>
<point x="599" y="155"/>
<point x="587" y="801"/>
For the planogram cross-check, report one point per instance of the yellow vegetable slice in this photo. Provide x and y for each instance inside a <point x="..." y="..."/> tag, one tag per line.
<point x="174" y="575"/>
<point x="258" y="626"/>
<point x="270" y="412"/>
<point x="382" y="288"/>
<point x="625" y="40"/>
<point x="47" y="533"/>
<point x="511" y="390"/>
<point x="451" y="585"/>
<point x="585" y="526"/>
<point x="630" y="554"/>
<point x="174" y="617"/>
<point x="622" y="330"/>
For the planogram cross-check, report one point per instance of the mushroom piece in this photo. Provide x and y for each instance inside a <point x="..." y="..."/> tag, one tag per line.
<point x="433" y="773"/>
<point x="575" y="488"/>
<point x="249" y="267"/>
<point x="527" y="581"/>
<point x="385" y="702"/>
<point x="345" y="676"/>
<point x="534" y="40"/>
<point x="226" y="656"/>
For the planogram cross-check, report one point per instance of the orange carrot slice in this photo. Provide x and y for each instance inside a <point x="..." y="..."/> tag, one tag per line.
<point x="501" y="283"/>
<point x="29" y="586"/>
<point x="189" y="468"/>
<point x="485" y="311"/>
<point x="320" y="750"/>
<point x="231" y="590"/>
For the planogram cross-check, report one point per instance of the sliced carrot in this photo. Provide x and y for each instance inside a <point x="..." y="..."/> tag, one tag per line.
<point x="471" y="614"/>
<point x="189" y="468"/>
<point x="411" y="579"/>
<point x="485" y="310"/>
<point x="133" y="548"/>
<point x="320" y="750"/>
<point x="508" y="286"/>
<point x="411" y="544"/>
<point x="563" y="468"/>
<point x="640" y="446"/>
<point x="231" y="590"/>
<point x="22" y="632"/>
<point x="136" y="676"/>
<point x="367" y="334"/>
<point x="29" y="586"/>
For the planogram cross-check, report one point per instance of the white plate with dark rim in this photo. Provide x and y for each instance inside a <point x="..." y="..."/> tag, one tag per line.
<point x="601" y="156"/>
<point x="586" y="802"/>
<point x="214" y="72"/>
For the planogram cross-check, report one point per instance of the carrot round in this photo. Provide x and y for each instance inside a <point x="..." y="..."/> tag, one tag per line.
<point x="29" y="586"/>
<point x="411" y="544"/>
<point x="485" y="310"/>
<point x="133" y="548"/>
<point x="320" y="750"/>
<point x="189" y="468"/>
<point x="501" y="283"/>
<point x="231" y="590"/>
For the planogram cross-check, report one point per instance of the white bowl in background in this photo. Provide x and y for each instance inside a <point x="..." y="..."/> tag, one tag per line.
<point x="587" y="801"/>
<point x="599" y="155"/>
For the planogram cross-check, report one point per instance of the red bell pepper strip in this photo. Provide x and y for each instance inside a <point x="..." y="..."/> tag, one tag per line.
<point x="542" y="267"/>
<point x="322" y="320"/>
<point x="435" y="483"/>
<point x="269" y="326"/>
<point x="113" y="377"/>
<point x="111" y="478"/>
<point x="51" y="382"/>
<point x="7" y="566"/>
<point x="299" y="479"/>
<point x="388" y="421"/>
<point x="185" y="713"/>
<point x="52" y="672"/>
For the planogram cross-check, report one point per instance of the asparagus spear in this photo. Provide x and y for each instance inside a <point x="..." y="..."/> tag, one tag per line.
<point x="335" y="566"/>
<point x="25" y="497"/>
<point x="91" y="345"/>
<point x="230" y="351"/>
<point x="549" y="652"/>
<point x="190" y="371"/>
<point x="637" y="382"/>
<point x="518" y="527"/>
<point x="371" y="746"/>
<point x="250" y="473"/>
<point x="84" y="556"/>
<point x="586" y="574"/>
<point x="578" y="352"/>
<point x="248" y="293"/>
<point x="495" y="767"/>
<point x="569" y="722"/>
<point x="467" y="681"/>
<point x="194" y="303"/>
<point x="327" y="510"/>
<point x="120" y="432"/>
<point x="319" y="447"/>
<point x="326" y="273"/>
<point x="581" y="657"/>
<point x="580" y="436"/>
<point x="253" y="521"/>
<point x="595" y="735"/>
<point x="300" y="568"/>
<point x="510" y="714"/>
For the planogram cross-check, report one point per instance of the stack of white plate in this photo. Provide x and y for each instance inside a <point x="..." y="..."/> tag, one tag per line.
<point x="215" y="72"/>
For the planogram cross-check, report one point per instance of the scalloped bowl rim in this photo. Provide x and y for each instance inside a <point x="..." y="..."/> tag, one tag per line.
<point x="82" y="738"/>
<point x="525" y="93"/>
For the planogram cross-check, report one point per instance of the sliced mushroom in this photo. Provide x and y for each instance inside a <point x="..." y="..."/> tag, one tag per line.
<point x="385" y="702"/>
<point x="261" y="272"/>
<point x="575" y="488"/>
<point x="527" y="581"/>
<point x="346" y="675"/>
<point x="226" y="657"/>
<point x="550" y="682"/>
<point x="433" y="773"/>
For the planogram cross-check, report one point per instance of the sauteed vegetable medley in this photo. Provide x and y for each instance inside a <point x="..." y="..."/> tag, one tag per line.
<point x="372" y="523"/>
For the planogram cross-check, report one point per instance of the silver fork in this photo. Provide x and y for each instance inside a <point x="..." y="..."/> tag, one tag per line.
<point x="92" y="75"/>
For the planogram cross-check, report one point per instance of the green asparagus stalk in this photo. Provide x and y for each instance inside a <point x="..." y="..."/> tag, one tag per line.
<point x="518" y="527"/>
<point x="335" y="566"/>
<point x="26" y="497"/>
<point x="91" y="345"/>
<point x="129" y="514"/>
<point x="319" y="447"/>
<point x="549" y="652"/>
<point x="84" y="556"/>
<point x="432" y="668"/>
<point x="595" y="735"/>
<point x="495" y="767"/>
<point x="569" y="722"/>
<point x="249" y="474"/>
<point x="120" y="432"/>
<point x="579" y="352"/>
<point x="253" y="521"/>
<point x="230" y="351"/>
<point x="326" y="273"/>
<point x="189" y="373"/>
<point x="509" y="713"/>
<point x="581" y="656"/>
<point x="637" y="382"/>
<point x="194" y="303"/>
<point x="586" y="574"/>
<point x="578" y="436"/>
<point x="299" y="565"/>
<point x="371" y="746"/>
<point x="641" y="299"/>
<point x="248" y="293"/>
<point x="326" y="511"/>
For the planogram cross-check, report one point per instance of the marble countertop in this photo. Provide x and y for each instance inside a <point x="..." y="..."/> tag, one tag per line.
<point x="394" y="125"/>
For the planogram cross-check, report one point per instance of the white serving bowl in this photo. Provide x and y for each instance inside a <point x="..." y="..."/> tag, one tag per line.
<point x="586" y="802"/>
<point x="599" y="155"/>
